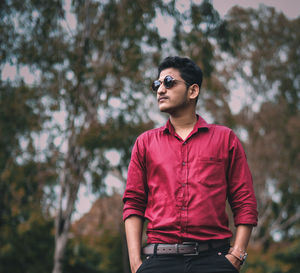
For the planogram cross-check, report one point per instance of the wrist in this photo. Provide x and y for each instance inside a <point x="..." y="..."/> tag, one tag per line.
<point x="134" y="265"/>
<point x="239" y="254"/>
<point x="235" y="262"/>
<point x="136" y="261"/>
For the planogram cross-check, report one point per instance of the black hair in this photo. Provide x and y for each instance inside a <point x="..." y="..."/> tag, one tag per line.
<point x="190" y="72"/>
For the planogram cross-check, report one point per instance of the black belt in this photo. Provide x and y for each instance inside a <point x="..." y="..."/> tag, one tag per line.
<point x="186" y="248"/>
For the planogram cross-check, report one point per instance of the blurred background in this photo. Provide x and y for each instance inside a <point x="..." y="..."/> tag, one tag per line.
<point x="75" y="93"/>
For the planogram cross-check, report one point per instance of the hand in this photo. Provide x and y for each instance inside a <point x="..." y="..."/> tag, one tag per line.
<point x="135" y="266"/>
<point x="235" y="262"/>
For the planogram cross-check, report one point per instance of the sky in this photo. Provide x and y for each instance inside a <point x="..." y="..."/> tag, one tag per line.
<point x="291" y="8"/>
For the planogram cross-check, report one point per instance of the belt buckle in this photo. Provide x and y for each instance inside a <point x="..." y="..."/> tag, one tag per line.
<point x="196" y="249"/>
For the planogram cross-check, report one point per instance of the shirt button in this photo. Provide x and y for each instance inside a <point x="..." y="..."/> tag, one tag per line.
<point x="184" y="143"/>
<point x="183" y="163"/>
<point x="183" y="184"/>
<point x="183" y="208"/>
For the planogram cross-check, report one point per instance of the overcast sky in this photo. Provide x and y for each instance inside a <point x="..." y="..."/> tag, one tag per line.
<point x="291" y="8"/>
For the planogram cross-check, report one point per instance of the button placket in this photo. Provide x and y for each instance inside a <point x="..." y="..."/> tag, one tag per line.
<point x="184" y="171"/>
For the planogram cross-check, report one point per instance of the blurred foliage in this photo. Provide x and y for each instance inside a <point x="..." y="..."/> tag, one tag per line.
<point x="90" y="95"/>
<point x="25" y="224"/>
<point x="27" y="246"/>
<point x="268" y="61"/>
<point x="102" y="256"/>
<point x="281" y="257"/>
<point x="290" y="257"/>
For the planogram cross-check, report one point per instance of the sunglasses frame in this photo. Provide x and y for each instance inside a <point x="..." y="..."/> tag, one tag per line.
<point x="168" y="82"/>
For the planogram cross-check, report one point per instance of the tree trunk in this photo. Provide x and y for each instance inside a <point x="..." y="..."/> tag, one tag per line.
<point x="63" y="223"/>
<point x="60" y="246"/>
<point x="71" y="176"/>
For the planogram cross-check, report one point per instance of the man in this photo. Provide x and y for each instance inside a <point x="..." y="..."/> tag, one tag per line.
<point x="179" y="178"/>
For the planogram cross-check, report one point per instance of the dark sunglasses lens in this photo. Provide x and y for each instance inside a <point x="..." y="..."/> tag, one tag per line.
<point x="155" y="85"/>
<point x="169" y="82"/>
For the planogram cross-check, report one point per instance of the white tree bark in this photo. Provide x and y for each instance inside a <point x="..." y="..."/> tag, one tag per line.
<point x="72" y="176"/>
<point x="76" y="164"/>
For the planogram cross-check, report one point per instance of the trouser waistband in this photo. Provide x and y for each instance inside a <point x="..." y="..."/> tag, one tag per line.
<point x="186" y="248"/>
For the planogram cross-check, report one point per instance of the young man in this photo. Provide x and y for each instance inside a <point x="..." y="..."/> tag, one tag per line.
<point x="179" y="179"/>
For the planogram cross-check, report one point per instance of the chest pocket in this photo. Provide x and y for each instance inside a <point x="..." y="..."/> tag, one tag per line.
<point x="211" y="171"/>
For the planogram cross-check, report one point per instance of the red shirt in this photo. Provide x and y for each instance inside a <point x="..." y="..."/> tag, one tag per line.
<point x="181" y="187"/>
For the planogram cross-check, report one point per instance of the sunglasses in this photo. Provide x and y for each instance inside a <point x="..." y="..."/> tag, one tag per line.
<point x="168" y="82"/>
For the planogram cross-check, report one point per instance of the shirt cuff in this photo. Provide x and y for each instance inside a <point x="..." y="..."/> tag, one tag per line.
<point x="248" y="221"/>
<point x="129" y="212"/>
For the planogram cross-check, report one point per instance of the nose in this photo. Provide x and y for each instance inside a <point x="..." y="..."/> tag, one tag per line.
<point x="162" y="89"/>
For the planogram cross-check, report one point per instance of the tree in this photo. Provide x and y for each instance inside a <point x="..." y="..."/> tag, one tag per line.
<point x="290" y="257"/>
<point x="261" y="48"/>
<point x="100" y="230"/>
<point x="24" y="211"/>
<point x="267" y="59"/>
<point x="81" y="72"/>
<point x="90" y="93"/>
<point x="207" y="37"/>
<point x="105" y="53"/>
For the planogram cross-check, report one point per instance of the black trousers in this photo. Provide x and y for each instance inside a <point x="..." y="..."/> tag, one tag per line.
<point x="212" y="261"/>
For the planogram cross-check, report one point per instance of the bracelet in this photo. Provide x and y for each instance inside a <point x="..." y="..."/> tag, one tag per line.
<point x="242" y="254"/>
<point x="235" y="257"/>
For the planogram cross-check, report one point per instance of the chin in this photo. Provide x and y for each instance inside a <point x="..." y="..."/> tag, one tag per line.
<point x="164" y="109"/>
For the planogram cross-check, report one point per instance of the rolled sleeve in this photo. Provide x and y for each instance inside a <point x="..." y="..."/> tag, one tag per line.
<point x="136" y="192"/>
<point x="132" y="208"/>
<point x="241" y="192"/>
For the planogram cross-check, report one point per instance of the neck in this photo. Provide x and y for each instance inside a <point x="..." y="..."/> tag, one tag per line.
<point x="184" y="123"/>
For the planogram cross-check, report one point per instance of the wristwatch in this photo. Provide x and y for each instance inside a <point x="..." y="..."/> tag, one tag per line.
<point x="240" y="254"/>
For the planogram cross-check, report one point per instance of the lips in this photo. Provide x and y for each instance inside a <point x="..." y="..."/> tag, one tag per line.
<point x="162" y="98"/>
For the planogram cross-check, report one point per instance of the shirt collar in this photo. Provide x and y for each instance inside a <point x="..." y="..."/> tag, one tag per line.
<point x="201" y="124"/>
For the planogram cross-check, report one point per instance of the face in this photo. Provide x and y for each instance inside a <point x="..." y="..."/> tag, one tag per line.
<point x="172" y="99"/>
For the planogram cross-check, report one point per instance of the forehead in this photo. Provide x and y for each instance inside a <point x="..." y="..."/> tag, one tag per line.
<point x="173" y="72"/>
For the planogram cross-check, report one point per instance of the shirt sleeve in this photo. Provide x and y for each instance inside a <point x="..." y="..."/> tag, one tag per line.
<point x="136" y="192"/>
<point x="241" y="192"/>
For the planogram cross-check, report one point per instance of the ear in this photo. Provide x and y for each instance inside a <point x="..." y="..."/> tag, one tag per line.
<point x="194" y="91"/>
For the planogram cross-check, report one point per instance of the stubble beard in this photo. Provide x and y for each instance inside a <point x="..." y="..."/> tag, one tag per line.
<point x="174" y="109"/>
